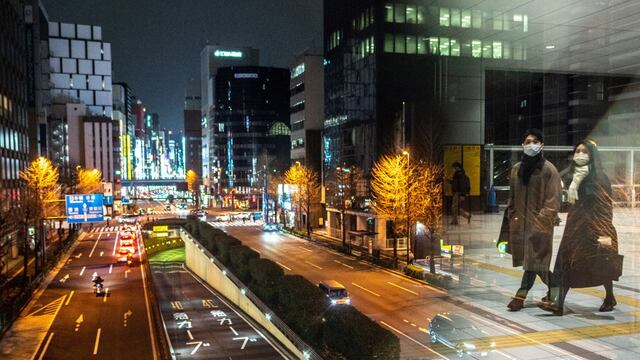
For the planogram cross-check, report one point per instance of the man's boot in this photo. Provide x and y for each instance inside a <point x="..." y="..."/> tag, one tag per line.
<point x="555" y="304"/>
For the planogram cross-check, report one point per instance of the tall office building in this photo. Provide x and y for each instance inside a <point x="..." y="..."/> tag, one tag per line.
<point x="212" y="58"/>
<point x="123" y="102"/>
<point x="193" y="127"/>
<point x="307" y="109"/>
<point x="80" y="73"/>
<point x="249" y="130"/>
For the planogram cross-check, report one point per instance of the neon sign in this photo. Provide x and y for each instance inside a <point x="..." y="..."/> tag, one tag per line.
<point x="227" y="53"/>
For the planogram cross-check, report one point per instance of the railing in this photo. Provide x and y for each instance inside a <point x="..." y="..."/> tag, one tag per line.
<point x="305" y="349"/>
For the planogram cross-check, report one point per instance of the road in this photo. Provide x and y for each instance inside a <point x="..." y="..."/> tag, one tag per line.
<point x="401" y="305"/>
<point x="200" y="323"/>
<point x="115" y="326"/>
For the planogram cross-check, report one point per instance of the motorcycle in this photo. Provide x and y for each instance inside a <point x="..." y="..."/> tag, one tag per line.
<point x="98" y="286"/>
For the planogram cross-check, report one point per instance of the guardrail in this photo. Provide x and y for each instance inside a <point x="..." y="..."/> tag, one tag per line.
<point x="295" y="345"/>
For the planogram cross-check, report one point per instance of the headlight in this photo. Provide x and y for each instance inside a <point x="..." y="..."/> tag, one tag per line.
<point x="348" y="301"/>
<point x="333" y="302"/>
<point x="469" y="346"/>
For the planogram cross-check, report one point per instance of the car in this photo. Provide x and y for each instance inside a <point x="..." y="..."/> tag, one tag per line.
<point x="457" y="332"/>
<point x="222" y="218"/>
<point x="150" y="211"/>
<point x="270" y="227"/>
<point x="128" y="219"/>
<point x="167" y="208"/>
<point x="335" y="291"/>
<point x="123" y="255"/>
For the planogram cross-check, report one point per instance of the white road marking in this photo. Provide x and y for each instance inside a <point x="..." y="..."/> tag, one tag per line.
<point x="343" y="264"/>
<point x="365" y="289"/>
<point x="69" y="298"/>
<point x="115" y="244"/>
<point x="412" y="339"/>
<point x="288" y="268"/>
<point x="95" y="347"/>
<point x="94" y="245"/>
<point x="106" y="295"/>
<point x="307" y="250"/>
<point x="64" y="279"/>
<point x="415" y="282"/>
<point x="189" y="333"/>
<point x="197" y="344"/>
<point x="126" y="274"/>
<point x="403" y="288"/>
<point x="46" y="345"/>
<point x="146" y="296"/>
<point x="82" y="271"/>
<point x="177" y="305"/>
<point x="234" y="331"/>
<point x="110" y="268"/>
<point x="314" y="265"/>
<point x="423" y="330"/>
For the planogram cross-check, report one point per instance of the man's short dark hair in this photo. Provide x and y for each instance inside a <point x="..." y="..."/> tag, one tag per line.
<point x="456" y="164"/>
<point x="535" y="132"/>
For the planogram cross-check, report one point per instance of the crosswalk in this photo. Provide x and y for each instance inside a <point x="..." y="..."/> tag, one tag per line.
<point x="98" y="229"/>
<point x="221" y="224"/>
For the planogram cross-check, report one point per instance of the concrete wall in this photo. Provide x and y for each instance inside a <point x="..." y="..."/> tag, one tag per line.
<point x="200" y="261"/>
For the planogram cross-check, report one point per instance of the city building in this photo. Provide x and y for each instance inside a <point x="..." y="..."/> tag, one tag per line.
<point x="193" y="127"/>
<point x="307" y="109"/>
<point x="213" y="57"/>
<point x="80" y="73"/>
<point x="250" y="131"/>
<point x="123" y="103"/>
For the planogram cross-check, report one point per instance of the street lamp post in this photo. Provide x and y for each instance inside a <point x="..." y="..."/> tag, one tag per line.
<point x="408" y="209"/>
<point x="340" y="173"/>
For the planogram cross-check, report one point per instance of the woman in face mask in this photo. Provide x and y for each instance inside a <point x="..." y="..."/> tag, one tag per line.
<point x="587" y="255"/>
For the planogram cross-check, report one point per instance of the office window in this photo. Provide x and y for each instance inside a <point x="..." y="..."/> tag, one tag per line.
<point x="506" y="22"/>
<point x="445" y="19"/>
<point x="411" y="14"/>
<point x="486" y="50"/>
<point x="497" y="50"/>
<point x="422" y="45"/>
<point x="433" y="45"/>
<point x="476" y="19"/>
<point x="476" y="48"/>
<point x="388" y="43"/>
<point x="411" y="44"/>
<point x="455" y="47"/>
<point x="466" y="19"/>
<point x="455" y="17"/>
<point x="388" y="12"/>
<point x="517" y="51"/>
<point x="372" y="45"/>
<point x="506" y="50"/>
<point x="420" y="15"/>
<point x="400" y="13"/>
<point x="444" y="46"/>
<point x="400" y="47"/>
<point x="497" y="21"/>
<point x="525" y="23"/>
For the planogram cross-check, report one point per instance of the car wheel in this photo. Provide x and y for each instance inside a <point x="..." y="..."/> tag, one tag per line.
<point x="434" y="338"/>
<point x="460" y="350"/>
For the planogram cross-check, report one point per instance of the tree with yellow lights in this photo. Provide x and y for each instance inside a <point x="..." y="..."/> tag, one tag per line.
<point x="426" y="203"/>
<point x="192" y="184"/>
<point x="88" y="181"/>
<point x="306" y="193"/>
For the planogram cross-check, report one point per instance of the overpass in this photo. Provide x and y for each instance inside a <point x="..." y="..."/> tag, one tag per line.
<point x="152" y="182"/>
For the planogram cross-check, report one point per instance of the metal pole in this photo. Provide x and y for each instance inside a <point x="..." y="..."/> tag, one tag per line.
<point x="408" y="206"/>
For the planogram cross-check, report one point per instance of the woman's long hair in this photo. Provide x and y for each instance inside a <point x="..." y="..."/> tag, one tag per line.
<point x="595" y="163"/>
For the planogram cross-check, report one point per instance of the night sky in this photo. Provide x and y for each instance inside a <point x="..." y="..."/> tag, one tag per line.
<point x="156" y="44"/>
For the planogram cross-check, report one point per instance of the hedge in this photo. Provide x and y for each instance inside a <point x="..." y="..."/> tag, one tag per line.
<point x="239" y="260"/>
<point x="265" y="276"/>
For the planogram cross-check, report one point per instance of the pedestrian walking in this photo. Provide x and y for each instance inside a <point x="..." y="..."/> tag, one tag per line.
<point x="588" y="252"/>
<point x="460" y="186"/>
<point x="534" y="200"/>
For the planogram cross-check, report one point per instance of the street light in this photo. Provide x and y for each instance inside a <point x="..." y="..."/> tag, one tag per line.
<point x="406" y="153"/>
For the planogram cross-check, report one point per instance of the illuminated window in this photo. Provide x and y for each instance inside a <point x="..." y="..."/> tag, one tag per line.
<point x="476" y="19"/>
<point x="497" y="21"/>
<point x="411" y="14"/>
<point x="476" y="48"/>
<point x="422" y="45"/>
<point x="372" y="45"/>
<point x="388" y="43"/>
<point x="388" y="12"/>
<point x="466" y="19"/>
<point x="400" y="47"/>
<point x="400" y="13"/>
<point x="433" y="45"/>
<point x="497" y="50"/>
<point x="411" y="44"/>
<point x="486" y="51"/>
<point x="444" y="46"/>
<point x="455" y="47"/>
<point x="445" y="18"/>
<point x="420" y="14"/>
<point x="525" y="25"/>
<point x="455" y="17"/>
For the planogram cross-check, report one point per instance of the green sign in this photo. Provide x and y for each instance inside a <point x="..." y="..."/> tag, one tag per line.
<point x="227" y="53"/>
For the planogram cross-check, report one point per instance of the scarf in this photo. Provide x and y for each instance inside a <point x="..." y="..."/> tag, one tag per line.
<point x="528" y="166"/>
<point x="579" y="174"/>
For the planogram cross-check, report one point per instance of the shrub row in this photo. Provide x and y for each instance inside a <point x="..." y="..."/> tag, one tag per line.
<point x="335" y="332"/>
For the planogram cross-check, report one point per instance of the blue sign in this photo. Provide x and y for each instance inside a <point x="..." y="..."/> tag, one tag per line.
<point x="85" y="208"/>
<point x="108" y="200"/>
<point x="125" y="200"/>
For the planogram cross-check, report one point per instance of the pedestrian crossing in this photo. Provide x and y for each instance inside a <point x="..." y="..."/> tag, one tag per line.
<point x="98" y="229"/>
<point x="221" y="224"/>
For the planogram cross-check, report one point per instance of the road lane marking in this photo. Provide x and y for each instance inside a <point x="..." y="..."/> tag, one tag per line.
<point x="208" y="303"/>
<point x="189" y="333"/>
<point x="365" y="289"/>
<point x="46" y="346"/>
<point x="343" y="264"/>
<point x="79" y="321"/>
<point x="234" y="331"/>
<point x="106" y="295"/>
<point x="286" y="267"/>
<point x="412" y="339"/>
<point x="177" y="305"/>
<point x="115" y="244"/>
<point x="314" y="265"/>
<point x="423" y="330"/>
<point x="78" y="256"/>
<point x="126" y="274"/>
<point x="95" y="347"/>
<point x="307" y="250"/>
<point x="403" y="288"/>
<point x="146" y="296"/>
<point x="415" y="282"/>
<point x="94" y="245"/>
<point x="69" y="297"/>
<point x="110" y="268"/>
<point x="82" y="271"/>
<point x="64" y="279"/>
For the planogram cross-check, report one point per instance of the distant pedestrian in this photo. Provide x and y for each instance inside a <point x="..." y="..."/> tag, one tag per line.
<point x="588" y="252"/>
<point x="534" y="201"/>
<point x="460" y="187"/>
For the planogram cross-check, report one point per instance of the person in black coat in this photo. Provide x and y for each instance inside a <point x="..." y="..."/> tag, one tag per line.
<point x="459" y="193"/>
<point x="587" y="255"/>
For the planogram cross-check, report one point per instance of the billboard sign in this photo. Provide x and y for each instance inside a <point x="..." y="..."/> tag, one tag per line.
<point x="85" y="208"/>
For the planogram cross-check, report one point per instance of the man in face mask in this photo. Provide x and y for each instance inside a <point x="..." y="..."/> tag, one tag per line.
<point x="534" y="201"/>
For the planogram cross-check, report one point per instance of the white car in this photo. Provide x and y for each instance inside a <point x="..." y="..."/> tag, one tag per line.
<point x="458" y="333"/>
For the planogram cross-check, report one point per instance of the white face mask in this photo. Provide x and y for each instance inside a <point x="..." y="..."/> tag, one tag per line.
<point x="581" y="159"/>
<point x="532" y="149"/>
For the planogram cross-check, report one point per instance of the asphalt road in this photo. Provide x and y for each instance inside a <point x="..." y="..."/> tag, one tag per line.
<point x="115" y="326"/>
<point x="200" y="323"/>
